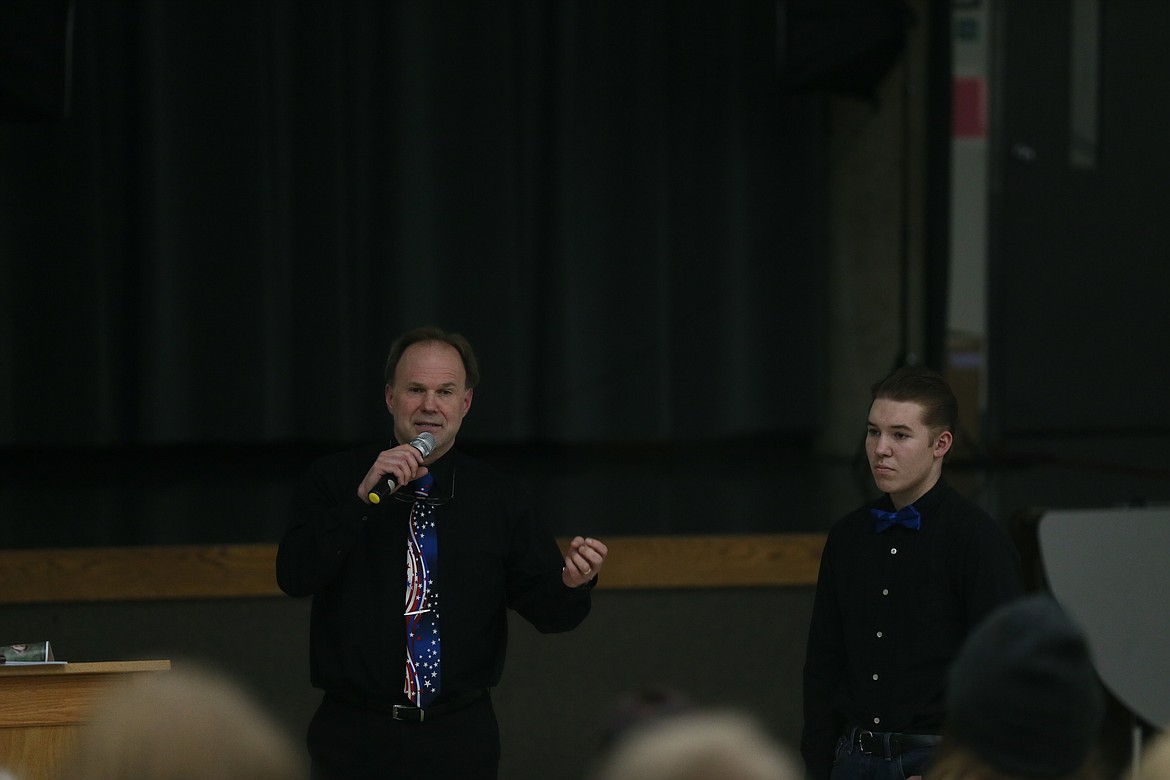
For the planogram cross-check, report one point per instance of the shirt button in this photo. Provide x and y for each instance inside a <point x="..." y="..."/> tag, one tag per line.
<point x="879" y="634"/>
<point x="893" y="551"/>
<point x="877" y="720"/>
<point x="875" y="677"/>
<point x="885" y="591"/>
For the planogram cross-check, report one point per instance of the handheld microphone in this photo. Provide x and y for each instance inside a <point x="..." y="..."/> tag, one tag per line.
<point x="425" y="444"/>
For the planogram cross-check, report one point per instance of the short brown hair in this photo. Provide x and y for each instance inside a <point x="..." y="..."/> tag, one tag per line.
<point x="921" y="385"/>
<point x="433" y="333"/>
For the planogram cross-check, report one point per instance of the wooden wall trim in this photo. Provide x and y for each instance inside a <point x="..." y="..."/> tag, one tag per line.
<point x="712" y="561"/>
<point x="136" y="573"/>
<point x="230" y="571"/>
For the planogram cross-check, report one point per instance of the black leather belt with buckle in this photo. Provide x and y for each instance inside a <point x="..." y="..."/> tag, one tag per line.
<point x="418" y="715"/>
<point x="874" y="742"/>
<point x="406" y="712"/>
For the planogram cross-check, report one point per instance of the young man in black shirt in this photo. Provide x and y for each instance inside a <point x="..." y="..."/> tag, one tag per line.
<point x="902" y="582"/>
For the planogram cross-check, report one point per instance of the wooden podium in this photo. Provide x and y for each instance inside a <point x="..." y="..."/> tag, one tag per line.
<point x="42" y="707"/>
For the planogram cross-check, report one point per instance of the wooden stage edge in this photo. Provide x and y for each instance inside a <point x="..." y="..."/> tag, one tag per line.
<point x="235" y="571"/>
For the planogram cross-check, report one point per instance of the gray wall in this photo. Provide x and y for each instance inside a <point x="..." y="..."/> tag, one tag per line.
<point x="726" y="647"/>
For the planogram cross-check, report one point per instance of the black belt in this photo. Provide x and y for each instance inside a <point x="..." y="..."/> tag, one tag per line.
<point x="874" y="742"/>
<point x="415" y="714"/>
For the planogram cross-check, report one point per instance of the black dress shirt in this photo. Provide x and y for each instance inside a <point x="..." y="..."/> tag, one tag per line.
<point x="891" y="612"/>
<point x="351" y="558"/>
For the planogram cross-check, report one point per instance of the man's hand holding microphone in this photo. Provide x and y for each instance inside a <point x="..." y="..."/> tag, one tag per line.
<point x="396" y="467"/>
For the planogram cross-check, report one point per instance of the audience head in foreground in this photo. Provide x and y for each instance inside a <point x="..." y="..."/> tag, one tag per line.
<point x="640" y="707"/>
<point x="1024" y="699"/>
<point x="698" y="746"/>
<point x="1155" y="760"/>
<point x="191" y="724"/>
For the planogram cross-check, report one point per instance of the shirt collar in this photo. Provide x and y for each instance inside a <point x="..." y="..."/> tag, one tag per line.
<point x="929" y="500"/>
<point x="443" y="470"/>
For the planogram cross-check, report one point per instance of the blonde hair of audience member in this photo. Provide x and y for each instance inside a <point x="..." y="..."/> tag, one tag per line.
<point x="698" y="746"/>
<point x="1155" y="759"/>
<point x="193" y="724"/>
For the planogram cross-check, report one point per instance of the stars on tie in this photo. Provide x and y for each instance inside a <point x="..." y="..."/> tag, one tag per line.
<point x="423" y="674"/>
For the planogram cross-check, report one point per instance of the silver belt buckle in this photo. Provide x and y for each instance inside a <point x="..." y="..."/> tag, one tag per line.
<point x="861" y="742"/>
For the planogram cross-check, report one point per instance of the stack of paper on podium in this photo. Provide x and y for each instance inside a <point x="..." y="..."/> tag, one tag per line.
<point x="29" y="653"/>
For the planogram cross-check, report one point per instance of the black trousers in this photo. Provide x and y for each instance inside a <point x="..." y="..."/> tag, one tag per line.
<point x="353" y="743"/>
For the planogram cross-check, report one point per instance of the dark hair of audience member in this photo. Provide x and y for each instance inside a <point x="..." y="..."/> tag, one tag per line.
<point x="1023" y="700"/>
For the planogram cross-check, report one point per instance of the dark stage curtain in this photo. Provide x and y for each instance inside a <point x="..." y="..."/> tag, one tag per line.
<point x="617" y="202"/>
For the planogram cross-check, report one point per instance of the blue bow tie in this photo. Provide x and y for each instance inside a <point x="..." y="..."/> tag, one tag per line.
<point x="907" y="516"/>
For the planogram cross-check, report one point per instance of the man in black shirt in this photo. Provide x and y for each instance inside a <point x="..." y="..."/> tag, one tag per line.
<point x="354" y="557"/>
<point x="902" y="582"/>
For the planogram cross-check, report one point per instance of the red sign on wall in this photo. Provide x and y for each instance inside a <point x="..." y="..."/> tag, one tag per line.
<point x="969" y="107"/>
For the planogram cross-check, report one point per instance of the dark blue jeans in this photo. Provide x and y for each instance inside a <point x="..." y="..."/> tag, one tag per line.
<point x="850" y="763"/>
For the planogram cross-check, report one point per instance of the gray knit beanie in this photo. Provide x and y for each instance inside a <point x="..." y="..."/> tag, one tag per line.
<point x="1023" y="694"/>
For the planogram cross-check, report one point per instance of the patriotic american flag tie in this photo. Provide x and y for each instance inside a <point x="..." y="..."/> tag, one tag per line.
<point x="422" y="601"/>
